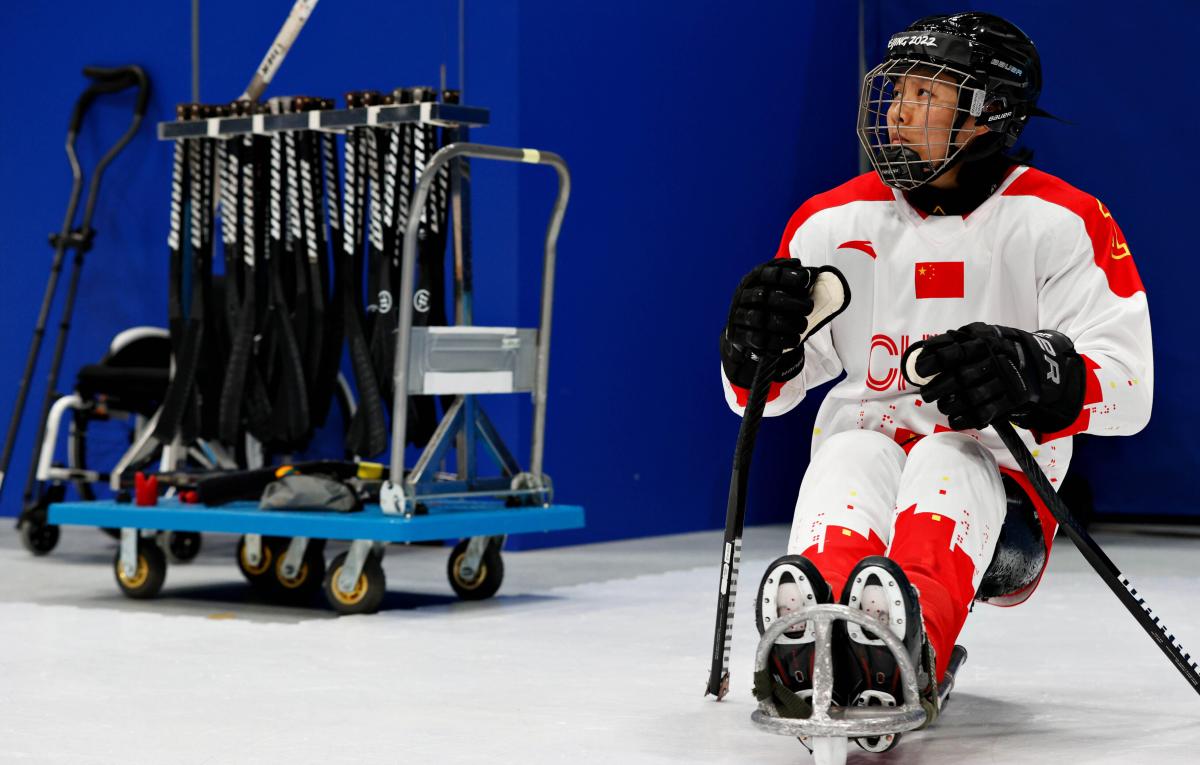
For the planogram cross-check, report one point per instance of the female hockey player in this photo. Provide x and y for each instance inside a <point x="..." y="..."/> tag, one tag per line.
<point x="1022" y="295"/>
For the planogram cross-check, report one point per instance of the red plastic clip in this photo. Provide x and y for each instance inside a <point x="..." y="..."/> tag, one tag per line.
<point x="189" y="497"/>
<point x="145" y="490"/>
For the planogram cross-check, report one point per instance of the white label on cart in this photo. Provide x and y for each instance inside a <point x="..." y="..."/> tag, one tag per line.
<point x="257" y="122"/>
<point x="468" y="382"/>
<point x="373" y="115"/>
<point x="421" y="300"/>
<point x="214" y="127"/>
<point x="314" y="120"/>
<point x="427" y="111"/>
<point x="531" y="155"/>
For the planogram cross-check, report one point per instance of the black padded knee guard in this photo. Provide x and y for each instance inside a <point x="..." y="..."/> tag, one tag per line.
<point x="1020" y="551"/>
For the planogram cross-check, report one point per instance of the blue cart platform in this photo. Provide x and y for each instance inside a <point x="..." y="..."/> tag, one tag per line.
<point x="282" y="551"/>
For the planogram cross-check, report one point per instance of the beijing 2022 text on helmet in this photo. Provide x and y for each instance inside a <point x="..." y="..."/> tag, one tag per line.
<point x="997" y="72"/>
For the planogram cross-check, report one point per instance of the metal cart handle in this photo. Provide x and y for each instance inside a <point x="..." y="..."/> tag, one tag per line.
<point x="408" y="271"/>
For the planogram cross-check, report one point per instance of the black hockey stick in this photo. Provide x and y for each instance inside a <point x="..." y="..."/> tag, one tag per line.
<point x="1096" y="556"/>
<point x="1091" y="551"/>
<point x="189" y="261"/>
<point x="315" y="273"/>
<point x="429" y="289"/>
<point x="367" y="434"/>
<point x="242" y="391"/>
<point x="830" y="293"/>
<point x="285" y="366"/>
<point x="279" y="48"/>
<point x="328" y="190"/>
<point x="735" y="520"/>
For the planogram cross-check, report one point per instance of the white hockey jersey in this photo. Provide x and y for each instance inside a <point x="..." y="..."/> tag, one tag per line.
<point x="1037" y="254"/>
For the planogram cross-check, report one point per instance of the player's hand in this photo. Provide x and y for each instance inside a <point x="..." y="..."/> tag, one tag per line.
<point x="775" y="307"/>
<point x="981" y="373"/>
<point x="771" y="306"/>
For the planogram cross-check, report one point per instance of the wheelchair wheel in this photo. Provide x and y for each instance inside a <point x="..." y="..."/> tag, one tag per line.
<point x="38" y="537"/>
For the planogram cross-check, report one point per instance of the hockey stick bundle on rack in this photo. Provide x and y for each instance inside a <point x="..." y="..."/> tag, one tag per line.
<point x="190" y="245"/>
<point x="383" y="166"/>
<point x="367" y="434"/>
<point x="189" y="409"/>
<point x="199" y="336"/>
<point x="318" y="323"/>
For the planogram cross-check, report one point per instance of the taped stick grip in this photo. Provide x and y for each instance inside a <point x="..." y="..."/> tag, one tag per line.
<point x="830" y="295"/>
<point x="908" y="366"/>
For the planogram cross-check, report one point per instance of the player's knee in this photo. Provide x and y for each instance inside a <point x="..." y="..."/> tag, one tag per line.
<point x="859" y="445"/>
<point x="943" y="449"/>
<point x="1020" y="553"/>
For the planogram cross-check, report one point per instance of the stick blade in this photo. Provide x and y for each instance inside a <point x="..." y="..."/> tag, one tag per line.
<point x="718" y="686"/>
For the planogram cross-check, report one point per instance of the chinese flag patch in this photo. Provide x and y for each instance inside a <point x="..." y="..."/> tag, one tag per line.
<point x="939" y="280"/>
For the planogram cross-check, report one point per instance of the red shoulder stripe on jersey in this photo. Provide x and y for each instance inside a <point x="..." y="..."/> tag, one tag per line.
<point x="1108" y="243"/>
<point x="865" y="188"/>
<point x="1093" y="394"/>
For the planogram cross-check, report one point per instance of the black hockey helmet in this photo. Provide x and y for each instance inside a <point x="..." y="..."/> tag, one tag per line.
<point x="998" y="73"/>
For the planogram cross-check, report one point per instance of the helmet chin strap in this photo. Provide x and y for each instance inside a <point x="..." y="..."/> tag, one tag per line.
<point x="978" y="176"/>
<point x="980" y="147"/>
<point x="903" y="163"/>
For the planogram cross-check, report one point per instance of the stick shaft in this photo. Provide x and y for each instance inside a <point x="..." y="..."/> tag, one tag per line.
<point x="1099" y="561"/>
<point x="279" y="49"/>
<point x="735" y="519"/>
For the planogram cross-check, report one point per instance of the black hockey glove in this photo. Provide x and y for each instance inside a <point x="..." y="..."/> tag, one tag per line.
<point x="983" y="373"/>
<point x="773" y="311"/>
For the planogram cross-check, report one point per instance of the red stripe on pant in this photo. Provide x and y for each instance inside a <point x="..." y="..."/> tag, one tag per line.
<point x="921" y="544"/>
<point x="844" y="548"/>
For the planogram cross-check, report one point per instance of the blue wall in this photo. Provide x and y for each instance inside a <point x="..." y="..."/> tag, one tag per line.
<point x="692" y="130"/>
<point x="692" y="137"/>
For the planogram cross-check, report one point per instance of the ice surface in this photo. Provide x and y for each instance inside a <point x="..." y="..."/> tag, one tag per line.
<point x="604" y="668"/>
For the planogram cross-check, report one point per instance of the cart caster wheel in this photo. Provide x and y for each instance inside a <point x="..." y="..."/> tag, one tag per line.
<point x="151" y="571"/>
<point x="307" y="581"/>
<point x="487" y="579"/>
<point x="183" y="546"/>
<point x="38" y="537"/>
<point x="262" y="575"/>
<point x="368" y="591"/>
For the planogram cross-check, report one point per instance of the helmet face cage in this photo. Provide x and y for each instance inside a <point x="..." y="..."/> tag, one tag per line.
<point x="932" y="137"/>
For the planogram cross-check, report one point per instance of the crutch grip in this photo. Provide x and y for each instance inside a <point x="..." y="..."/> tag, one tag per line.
<point x="111" y="80"/>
